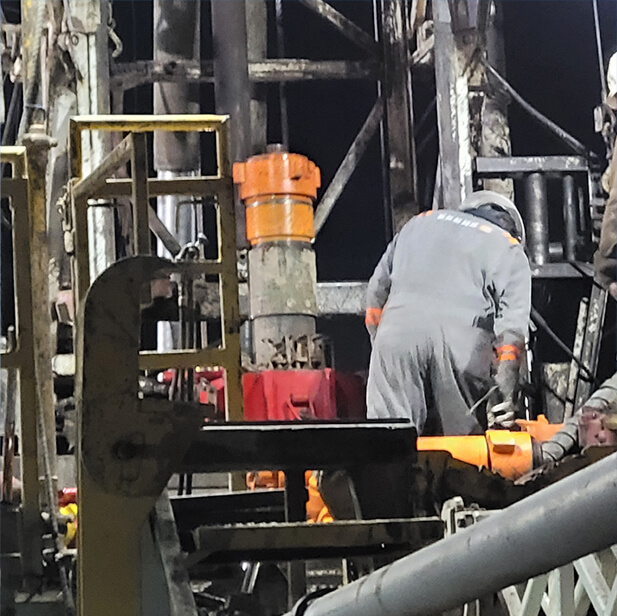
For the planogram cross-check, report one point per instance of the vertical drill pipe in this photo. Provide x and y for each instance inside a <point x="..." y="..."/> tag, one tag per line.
<point x="176" y="38"/>
<point x="232" y="86"/>
<point x="280" y="47"/>
<point x="569" y="217"/>
<point x="537" y="217"/>
<point x="257" y="50"/>
<point x="571" y="518"/>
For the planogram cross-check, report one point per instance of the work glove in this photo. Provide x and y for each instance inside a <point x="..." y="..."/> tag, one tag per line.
<point x="502" y="413"/>
<point x="501" y="416"/>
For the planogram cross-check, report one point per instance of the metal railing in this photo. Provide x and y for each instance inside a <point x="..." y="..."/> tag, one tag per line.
<point x="20" y="355"/>
<point x="140" y="188"/>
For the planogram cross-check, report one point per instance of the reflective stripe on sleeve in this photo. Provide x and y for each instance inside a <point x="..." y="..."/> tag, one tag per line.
<point x="372" y="316"/>
<point x="507" y="352"/>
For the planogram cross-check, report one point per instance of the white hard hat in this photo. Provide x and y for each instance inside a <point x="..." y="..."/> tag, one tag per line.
<point x="611" y="82"/>
<point x="490" y="197"/>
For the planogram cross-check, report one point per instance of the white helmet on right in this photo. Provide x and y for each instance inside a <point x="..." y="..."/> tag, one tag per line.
<point x="490" y="197"/>
<point x="611" y="82"/>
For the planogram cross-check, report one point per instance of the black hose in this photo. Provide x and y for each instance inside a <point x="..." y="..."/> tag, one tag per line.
<point x="52" y="498"/>
<point x="566" y="137"/>
<point x="539" y="320"/>
<point x="12" y="115"/>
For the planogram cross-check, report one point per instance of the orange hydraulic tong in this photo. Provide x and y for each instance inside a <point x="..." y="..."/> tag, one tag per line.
<point x="507" y="453"/>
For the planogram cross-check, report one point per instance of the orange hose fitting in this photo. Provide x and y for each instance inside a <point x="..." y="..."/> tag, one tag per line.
<point x="278" y="189"/>
<point x="509" y="454"/>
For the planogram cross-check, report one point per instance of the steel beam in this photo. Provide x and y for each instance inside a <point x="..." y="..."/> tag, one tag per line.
<point x="495" y="131"/>
<point x="590" y="352"/>
<point x="348" y="298"/>
<point x="291" y="445"/>
<point x="302" y="541"/>
<point x="119" y="156"/>
<point x="348" y="165"/>
<point x="572" y="518"/>
<point x="452" y="111"/>
<point x="343" y="25"/>
<point x="398" y="108"/>
<point x="132" y="74"/>
<point x="518" y="166"/>
<point x="91" y="57"/>
<point x="38" y="145"/>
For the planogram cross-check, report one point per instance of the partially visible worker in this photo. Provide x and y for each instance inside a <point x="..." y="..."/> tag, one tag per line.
<point x="451" y="295"/>
<point x="595" y="423"/>
<point x="605" y="260"/>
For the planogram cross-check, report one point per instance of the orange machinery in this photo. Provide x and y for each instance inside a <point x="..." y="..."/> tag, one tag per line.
<point x="505" y="452"/>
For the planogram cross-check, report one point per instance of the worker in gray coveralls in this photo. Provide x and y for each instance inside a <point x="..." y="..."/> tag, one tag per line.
<point x="450" y="300"/>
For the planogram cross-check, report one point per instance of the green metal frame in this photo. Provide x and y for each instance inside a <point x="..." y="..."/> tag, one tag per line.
<point x="140" y="188"/>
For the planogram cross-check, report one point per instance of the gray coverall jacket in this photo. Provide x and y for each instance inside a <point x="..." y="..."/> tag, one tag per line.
<point x="448" y="287"/>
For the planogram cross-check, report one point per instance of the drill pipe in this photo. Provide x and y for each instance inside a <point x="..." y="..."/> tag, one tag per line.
<point x="559" y="524"/>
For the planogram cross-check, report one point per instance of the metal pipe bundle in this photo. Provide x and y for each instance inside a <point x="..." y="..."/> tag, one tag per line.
<point x="559" y="524"/>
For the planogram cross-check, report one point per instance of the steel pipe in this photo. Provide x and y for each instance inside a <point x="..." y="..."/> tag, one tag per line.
<point x="537" y="218"/>
<point x="176" y="38"/>
<point x="572" y="518"/>
<point x="570" y="208"/>
<point x="232" y="87"/>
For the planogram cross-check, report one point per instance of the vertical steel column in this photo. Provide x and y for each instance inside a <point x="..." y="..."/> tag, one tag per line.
<point x="232" y="87"/>
<point x="176" y="154"/>
<point x="257" y="50"/>
<point x="536" y="203"/>
<point x="398" y="113"/>
<point x="452" y="111"/>
<point x="495" y="139"/>
<point x="91" y="55"/>
<point x="569" y="217"/>
<point x="37" y="146"/>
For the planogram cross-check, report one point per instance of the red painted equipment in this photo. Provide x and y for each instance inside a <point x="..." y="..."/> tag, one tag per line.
<point x="283" y="395"/>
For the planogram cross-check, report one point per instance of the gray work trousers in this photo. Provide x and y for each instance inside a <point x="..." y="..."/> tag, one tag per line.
<point x="430" y="374"/>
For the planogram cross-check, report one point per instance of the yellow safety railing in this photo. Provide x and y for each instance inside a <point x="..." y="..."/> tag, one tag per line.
<point x="140" y="188"/>
<point x="20" y="355"/>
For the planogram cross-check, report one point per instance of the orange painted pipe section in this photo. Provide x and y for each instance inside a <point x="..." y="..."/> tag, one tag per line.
<point x="278" y="189"/>
<point x="271" y="218"/>
<point x="506" y="453"/>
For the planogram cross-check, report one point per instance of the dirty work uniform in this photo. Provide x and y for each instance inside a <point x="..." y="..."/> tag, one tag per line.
<point x="450" y="291"/>
<point x="605" y="260"/>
